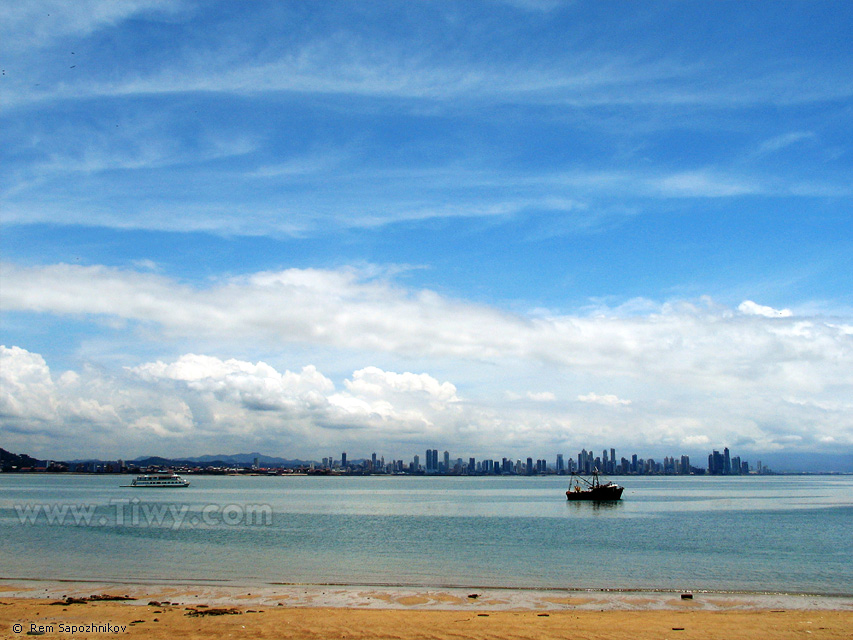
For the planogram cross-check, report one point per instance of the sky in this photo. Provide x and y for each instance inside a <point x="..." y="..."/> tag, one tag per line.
<point x="514" y="228"/>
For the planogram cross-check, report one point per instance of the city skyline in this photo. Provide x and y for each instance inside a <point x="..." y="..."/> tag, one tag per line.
<point x="507" y="227"/>
<point x="429" y="462"/>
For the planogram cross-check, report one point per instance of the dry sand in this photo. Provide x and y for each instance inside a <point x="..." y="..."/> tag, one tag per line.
<point x="327" y="612"/>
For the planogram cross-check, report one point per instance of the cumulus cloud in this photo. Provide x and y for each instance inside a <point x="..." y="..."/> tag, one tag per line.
<point x="32" y="402"/>
<point x="754" y="374"/>
<point x="372" y="381"/>
<point x="198" y="403"/>
<point x="255" y="385"/>
<point x="27" y="389"/>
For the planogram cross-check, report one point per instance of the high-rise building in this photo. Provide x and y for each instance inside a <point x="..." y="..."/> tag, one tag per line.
<point x="344" y="460"/>
<point x="432" y="461"/>
<point x="560" y="465"/>
<point x="717" y="463"/>
<point x="735" y="465"/>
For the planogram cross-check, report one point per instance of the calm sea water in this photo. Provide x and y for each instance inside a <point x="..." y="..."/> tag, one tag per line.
<point x="777" y="534"/>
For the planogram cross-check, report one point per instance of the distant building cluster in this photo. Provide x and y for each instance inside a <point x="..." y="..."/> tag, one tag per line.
<point x="722" y="464"/>
<point x="584" y="463"/>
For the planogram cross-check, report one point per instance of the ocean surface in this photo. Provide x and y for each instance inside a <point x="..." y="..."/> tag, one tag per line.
<point x="779" y="534"/>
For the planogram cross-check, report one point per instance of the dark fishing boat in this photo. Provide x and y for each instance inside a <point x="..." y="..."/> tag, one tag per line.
<point x="594" y="489"/>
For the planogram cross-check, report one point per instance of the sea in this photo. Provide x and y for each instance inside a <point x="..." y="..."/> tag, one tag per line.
<point x="755" y="534"/>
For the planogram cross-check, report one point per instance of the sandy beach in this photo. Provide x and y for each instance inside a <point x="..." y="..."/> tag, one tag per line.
<point x="82" y="610"/>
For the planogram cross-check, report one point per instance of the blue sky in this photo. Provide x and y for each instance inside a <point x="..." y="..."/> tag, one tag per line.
<point x="505" y="228"/>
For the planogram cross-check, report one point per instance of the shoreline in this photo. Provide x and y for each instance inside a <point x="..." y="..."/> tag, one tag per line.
<point x="213" y="592"/>
<point x="197" y="612"/>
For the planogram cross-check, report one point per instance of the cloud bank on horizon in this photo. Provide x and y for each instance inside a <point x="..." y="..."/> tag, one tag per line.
<point x="497" y="228"/>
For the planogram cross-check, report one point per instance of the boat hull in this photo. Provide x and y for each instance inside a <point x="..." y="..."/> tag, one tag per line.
<point x="156" y="486"/>
<point x="599" y="494"/>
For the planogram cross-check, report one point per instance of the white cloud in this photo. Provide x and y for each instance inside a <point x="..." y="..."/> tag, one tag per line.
<point x="692" y="370"/>
<point x="372" y="381"/>
<point x="31" y="402"/>
<point x="257" y="386"/>
<point x="609" y="400"/>
<point x="705" y="346"/>
<point x="27" y="388"/>
<point x="749" y="307"/>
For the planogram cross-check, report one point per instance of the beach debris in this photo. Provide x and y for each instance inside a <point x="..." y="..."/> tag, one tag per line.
<point x="70" y="600"/>
<point x="687" y="596"/>
<point x="678" y="628"/>
<point x="473" y="596"/>
<point x="154" y="603"/>
<point x="194" y="613"/>
<point x="94" y="598"/>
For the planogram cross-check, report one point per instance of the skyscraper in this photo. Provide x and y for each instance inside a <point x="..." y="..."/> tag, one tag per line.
<point x="432" y="461"/>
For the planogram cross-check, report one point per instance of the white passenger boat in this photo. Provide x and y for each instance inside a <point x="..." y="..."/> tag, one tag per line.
<point x="158" y="480"/>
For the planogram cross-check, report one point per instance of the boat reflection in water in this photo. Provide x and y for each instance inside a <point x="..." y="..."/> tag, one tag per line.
<point x="593" y="489"/>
